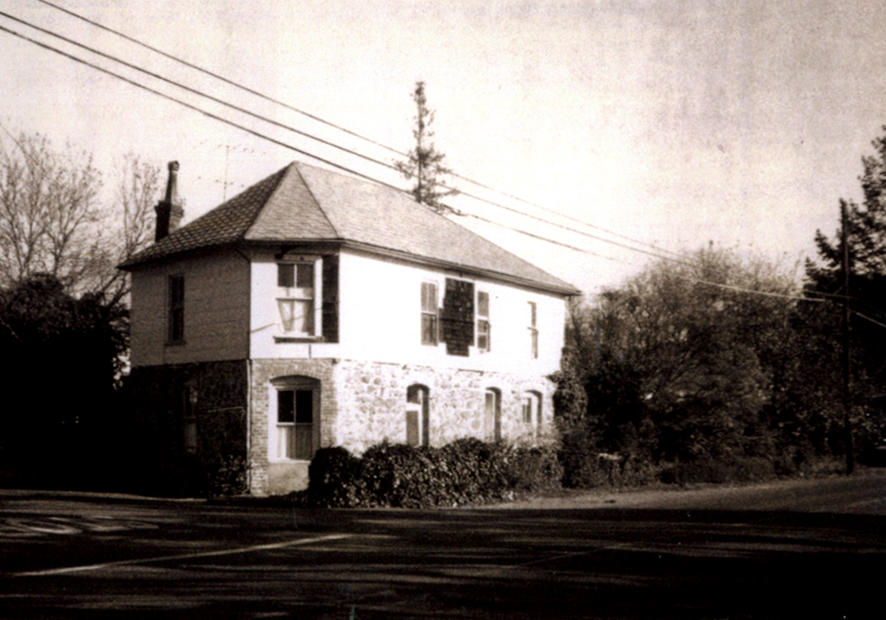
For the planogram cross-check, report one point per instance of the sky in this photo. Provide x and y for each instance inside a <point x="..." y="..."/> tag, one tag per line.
<point x="673" y="124"/>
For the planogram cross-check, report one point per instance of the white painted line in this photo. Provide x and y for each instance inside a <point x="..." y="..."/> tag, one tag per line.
<point x="183" y="556"/>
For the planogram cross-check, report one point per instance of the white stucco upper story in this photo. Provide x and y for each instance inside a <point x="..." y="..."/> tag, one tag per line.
<point x="380" y="316"/>
<point x="233" y="307"/>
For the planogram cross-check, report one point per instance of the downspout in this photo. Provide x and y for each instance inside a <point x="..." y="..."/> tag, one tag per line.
<point x="248" y="373"/>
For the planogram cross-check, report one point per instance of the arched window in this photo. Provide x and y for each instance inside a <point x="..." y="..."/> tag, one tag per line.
<point x="417" y="415"/>
<point x="294" y="410"/>
<point x="532" y="411"/>
<point x="492" y="415"/>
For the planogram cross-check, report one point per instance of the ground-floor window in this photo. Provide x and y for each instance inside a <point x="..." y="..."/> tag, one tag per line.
<point x="531" y="411"/>
<point x="417" y="415"/>
<point x="295" y="414"/>
<point x="188" y="406"/>
<point x="492" y="415"/>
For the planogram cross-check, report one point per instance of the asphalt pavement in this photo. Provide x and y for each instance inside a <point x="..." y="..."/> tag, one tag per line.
<point x="780" y="550"/>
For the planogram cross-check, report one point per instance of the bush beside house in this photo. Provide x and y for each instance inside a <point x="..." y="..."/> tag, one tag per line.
<point x="466" y="471"/>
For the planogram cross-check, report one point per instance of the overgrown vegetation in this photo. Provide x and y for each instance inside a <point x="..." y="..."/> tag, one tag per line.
<point x="718" y="367"/>
<point x="63" y="318"/>
<point x="466" y="471"/>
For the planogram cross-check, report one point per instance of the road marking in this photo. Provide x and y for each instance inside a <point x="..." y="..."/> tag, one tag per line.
<point x="182" y="556"/>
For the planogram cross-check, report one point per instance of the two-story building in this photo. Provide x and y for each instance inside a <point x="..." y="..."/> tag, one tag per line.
<point x="315" y="309"/>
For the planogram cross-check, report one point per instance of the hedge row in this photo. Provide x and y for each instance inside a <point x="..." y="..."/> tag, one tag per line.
<point x="466" y="471"/>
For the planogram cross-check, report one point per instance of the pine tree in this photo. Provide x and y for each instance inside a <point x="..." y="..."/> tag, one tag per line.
<point x="866" y="240"/>
<point x="424" y="164"/>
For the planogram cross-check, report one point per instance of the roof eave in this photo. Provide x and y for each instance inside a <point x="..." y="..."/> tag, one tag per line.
<point x="368" y="248"/>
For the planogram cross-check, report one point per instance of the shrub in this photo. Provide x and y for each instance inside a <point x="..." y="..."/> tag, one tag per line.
<point x="334" y="476"/>
<point x="464" y="471"/>
<point x="226" y="476"/>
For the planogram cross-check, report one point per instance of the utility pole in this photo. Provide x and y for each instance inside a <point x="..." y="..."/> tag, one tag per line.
<point x="847" y="396"/>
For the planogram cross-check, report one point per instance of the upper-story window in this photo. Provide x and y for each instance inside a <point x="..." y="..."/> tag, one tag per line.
<point x="299" y="297"/>
<point x="484" y="332"/>
<point x="175" y="321"/>
<point x="429" y="316"/>
<point x="533" y="330"/>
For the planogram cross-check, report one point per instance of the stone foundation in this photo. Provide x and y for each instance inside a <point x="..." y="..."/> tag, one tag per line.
<point x="364" y="403"/>
<point x="219" y="391"/>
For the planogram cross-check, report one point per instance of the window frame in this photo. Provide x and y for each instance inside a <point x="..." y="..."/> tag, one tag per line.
<point x="422" y="409"/>
<point x="484" y="326"/>
<point x="283" y="445"/>
<point x="434" y="314"/>
<point x="175" y="309"/>
<point x="492" y="431"/>
<point x="533" y="330"/>
<point x="531" y="400"/>
<point x="295" y="296"/>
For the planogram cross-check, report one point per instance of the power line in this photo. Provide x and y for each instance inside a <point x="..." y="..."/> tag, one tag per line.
<point x="216" y="75"/>
<point x="329" y="143"/>
<point x="355" y="134"/>
<point x="197" y="91"/>
<point x="360" y="174"/>
<point x="867" y="318"/>
<point x="195" y="108"/>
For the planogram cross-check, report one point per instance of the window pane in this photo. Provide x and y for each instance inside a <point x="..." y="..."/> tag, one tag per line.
<point x="429" y="297"/>
<point x="532" y="316"/>
<point x="429" y="329"/>
<point x="482" y="304"/>
<point x="177" y="290"/>
<point x="285" y="407"/>
<point x="304" y="406"/>
<point x="483" y="335"/>
<point x="297" y="315"/>
<point x="412" y="428"/>
<point x="305" y="275"/>
<point x="304" y="441"/>
<point x="285" y="442"/>
<point x="527" y="410"/>
<point x="534" y="343"/>
<point x="307" y="317"/>
<point x="176" y="324"/>
<point x="285" y="274"/>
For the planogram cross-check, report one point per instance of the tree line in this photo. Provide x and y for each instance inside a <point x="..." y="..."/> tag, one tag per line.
<point x="64" y="331"/>
<point x="720" y="366"/>
<point x="713" y="366"/>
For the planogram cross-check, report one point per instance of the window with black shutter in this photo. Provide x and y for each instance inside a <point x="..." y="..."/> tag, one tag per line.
<point x="457" y="316"/>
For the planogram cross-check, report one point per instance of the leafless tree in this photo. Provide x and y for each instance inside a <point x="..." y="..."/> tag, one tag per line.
<point x="52" y="220"/>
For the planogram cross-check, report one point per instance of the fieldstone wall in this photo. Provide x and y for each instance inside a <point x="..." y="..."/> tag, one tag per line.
<point x="155" y="393"/>
<point x="364" y="403"/>
<point x="372" y="404"/>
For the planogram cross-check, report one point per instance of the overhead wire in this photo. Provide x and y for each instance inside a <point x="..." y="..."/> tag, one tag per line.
<point x="398" y="152"/>
<point x="375" y="180"/>
<point x="195" y="108"/>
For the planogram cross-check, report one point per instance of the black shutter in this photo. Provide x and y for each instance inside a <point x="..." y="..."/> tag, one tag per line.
<point x="330" y="298"/>
<point x="457" y="316"/>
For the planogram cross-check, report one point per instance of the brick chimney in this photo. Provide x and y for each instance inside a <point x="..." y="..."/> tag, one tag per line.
<point x="169" y="210"/>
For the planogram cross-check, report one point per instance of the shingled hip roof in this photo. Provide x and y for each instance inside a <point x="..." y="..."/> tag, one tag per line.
<point x="303" y="203"/>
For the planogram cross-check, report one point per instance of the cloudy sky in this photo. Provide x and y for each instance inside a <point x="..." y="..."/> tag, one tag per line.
<point x="670" y="123"/>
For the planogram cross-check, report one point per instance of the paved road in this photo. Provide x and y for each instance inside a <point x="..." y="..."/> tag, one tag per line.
<point x="808" y="549"/>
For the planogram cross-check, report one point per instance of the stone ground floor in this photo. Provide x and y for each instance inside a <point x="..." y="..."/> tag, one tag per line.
<point x="277" y="412"/>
